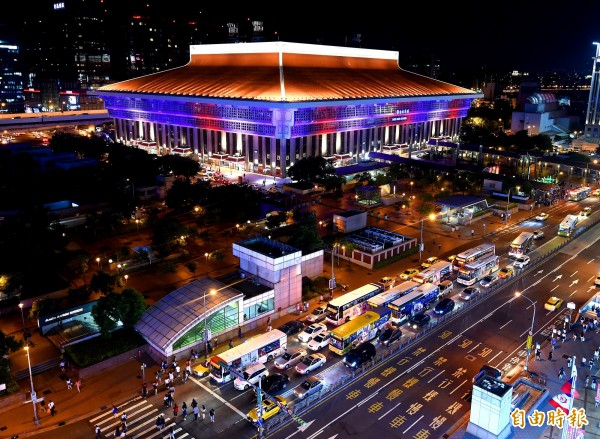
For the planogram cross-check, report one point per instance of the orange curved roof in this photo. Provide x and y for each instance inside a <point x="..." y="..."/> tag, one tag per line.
<point x="288" y="72"/>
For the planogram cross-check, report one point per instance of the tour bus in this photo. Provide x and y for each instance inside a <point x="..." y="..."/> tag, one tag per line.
<point x="421" y="298"/>
<point x="474" y="254"/>
<point x="521" y="245"/>
<point x="579" y="193"/>
<point x="438" y="272"/>
<point x="382" y="299"/>
<point x="258" y="349"/>
<point x="363" y="328"/>
<point x="352" y="304"/>
<point x="469" y="274"/>
<point x="568" y="225"/>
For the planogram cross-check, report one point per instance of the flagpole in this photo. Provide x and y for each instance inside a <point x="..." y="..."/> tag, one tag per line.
<point x="572" y="398"/>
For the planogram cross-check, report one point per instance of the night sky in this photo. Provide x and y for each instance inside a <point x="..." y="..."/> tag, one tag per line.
<point x="513" y="35"/>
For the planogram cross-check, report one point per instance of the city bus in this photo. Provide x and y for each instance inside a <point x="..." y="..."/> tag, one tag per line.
<point x="258" y="349"/>
<point x="352" y="304"/>
<point x="438" y="272"/>
<point x="579" y="193"/>
<point x="521" y="245"/>
<point x="363" y="328"/>
<point x="469" y="274"/>
<point x="382" y="299"/>
<point x="568" y="225"/>
<point x="421" y="298"/>
<point x="473" y="254"/>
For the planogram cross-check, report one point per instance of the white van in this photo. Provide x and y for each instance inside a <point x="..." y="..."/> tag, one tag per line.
<point x="252" y="374"/>
<point x="446" y="287"/>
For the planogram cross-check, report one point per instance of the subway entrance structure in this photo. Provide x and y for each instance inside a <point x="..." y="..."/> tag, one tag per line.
<point x="260" y="107"/>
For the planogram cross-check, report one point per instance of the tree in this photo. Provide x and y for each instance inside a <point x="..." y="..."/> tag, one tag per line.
<point x="305" y="235"/>
<point x="192" y="266"/>
<point x="8" y="345"/>
<point x="79" y="295"/>
<point x="44" y="306"/>
<point x="311" y="169"/>
<point x="275" y="220"/>
<point x="103" y="282"/>
<point x="131" y="308"/>
<point x="107" y="313"/>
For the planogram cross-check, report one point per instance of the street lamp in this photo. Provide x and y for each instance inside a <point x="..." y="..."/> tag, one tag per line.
<point x="33" y="395"/>
<point x="98" y="261"/>
<point x="508" y="200"/>
<point x="529" y="338"/>
<point x="411" y="185"/>
<point x="422" y="244"/>
<point x="206" y="332"/>
<point x="206" y="256"/>
<point x="23" y="319"/>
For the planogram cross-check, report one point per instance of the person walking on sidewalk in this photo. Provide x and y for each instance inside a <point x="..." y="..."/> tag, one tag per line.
<point x="211" y="413"/>
<point x="561" y="373"/>
<point x="171" y="432"/>
<point x="184" y="410"/>
<point x="550" y="356"/>
<point x="69" y="384"/>
<point x="203" y="410"/>
<point x="196" y="412"/>
<point x="175" y="410"/>
<point x="231" y="344"/>
<point x="51" y="407"/>
<point x="596" y="354"/>
<point x="538" y="355"/>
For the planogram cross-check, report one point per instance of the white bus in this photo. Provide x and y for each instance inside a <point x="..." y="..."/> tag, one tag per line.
<point x="568" y="225"/>
<point x="473" y="254"/>
<point x="469" y="274"/>
<point x="258" y="349"/>
<point x="352" y="304"/>
<point x="404" y="307"/>
<point x="521" y="245"/>
<point x="438" y="272"/>
<point x="579" y="193"/>
<point x="382" y="299"/>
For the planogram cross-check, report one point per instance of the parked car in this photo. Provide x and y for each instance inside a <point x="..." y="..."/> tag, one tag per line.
<point x="521" y="262"/>
<point x="468" y="293"/>
<point x="506" y="272"/>
<point x="409" y="273"/>
<point x="310" y="363"/>
<point x="419" y="320"/>
<point x="310" y="332"/>
<point x="317" y="314"/>
<point x="488" y="281"/>
<point x="319" y="342"/>
<point x="290" y="358"/>
<point x="553" y="303"/>
<point x="310" y="385"/>
<point x="292" y="327"/>
<point x="269" y="409"/>
<point x="429" y="262"/>
<point x="390" y="335"/>
<point x="538" y="234"/>
<point x="542" y="216"/>
<point x="444" y="306"/>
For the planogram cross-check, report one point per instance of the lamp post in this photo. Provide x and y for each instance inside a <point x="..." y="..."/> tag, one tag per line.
<point x="508" y="200"/>
<point x="206" y="332"/>
<point x="422" y="244"/>
<point x="33" y="395"/>
<point x="529" y="337"/>
<point x="98" y="261"/>
<point x="23" y="319"/>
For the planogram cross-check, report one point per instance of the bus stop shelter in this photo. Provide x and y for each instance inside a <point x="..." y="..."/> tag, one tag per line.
<point x="460" y="209"/>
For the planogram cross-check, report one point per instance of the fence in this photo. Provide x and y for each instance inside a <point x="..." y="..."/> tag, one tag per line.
<point x="302" y="406"/>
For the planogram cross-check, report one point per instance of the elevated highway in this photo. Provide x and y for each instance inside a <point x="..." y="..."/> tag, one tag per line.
<point x="49" y="120"/>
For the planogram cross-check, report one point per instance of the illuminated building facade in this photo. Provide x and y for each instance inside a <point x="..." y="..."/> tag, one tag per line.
<point x="259" y="107"/>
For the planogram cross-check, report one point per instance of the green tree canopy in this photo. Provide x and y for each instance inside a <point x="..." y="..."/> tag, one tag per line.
<point x="107" y="313"/>
<point x="131" y="308"/>
<point x="103" y="282"/>
<point x="311" y="169"/>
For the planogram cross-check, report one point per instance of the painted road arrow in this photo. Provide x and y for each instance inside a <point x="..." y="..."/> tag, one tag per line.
<point x="539" y="272"/>
<point x="306" y="425"/>
<point x="557" y="277"/>
<point x="575" y="282"/>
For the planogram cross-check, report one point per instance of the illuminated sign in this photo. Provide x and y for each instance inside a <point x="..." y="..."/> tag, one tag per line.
<point x="399" y="119"/>
<point x="59" y="5"/>
<point x="404" y="111"/>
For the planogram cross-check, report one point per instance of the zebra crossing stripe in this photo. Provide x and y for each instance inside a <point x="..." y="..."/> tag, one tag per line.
<point x="103" y="415"/>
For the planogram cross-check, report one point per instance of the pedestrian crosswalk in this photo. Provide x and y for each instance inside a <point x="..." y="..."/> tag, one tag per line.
<point x="141" y="421"/>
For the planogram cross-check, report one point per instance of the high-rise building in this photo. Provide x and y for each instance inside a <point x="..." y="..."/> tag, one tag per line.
<point x="592" y="118"/>
<point x="11" y="79"/>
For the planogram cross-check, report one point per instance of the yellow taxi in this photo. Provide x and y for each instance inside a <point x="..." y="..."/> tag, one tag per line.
<point x="429" y="262"/>
<point x="409" y="273"/>
<point x="553" y="303"/>
<point x="506" y="272"/>
<point x="597" y="281"/>
<point x="201" y="369"/>
<point x="269" y="409"/>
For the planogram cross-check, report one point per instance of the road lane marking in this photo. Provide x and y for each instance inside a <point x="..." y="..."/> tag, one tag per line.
<point x="224" y="401"/>
<point x="458" y="387"/>
<point x="474" y="347"/>
<point x="413" y="424"/>
<point x="554" y="288"/>
<point x="502" y="327"/>
<point x="574" y="273"/>
<point x="591" y="260"/>
<point x="572" y="293"/>
<point x="428" y="382"/>
<point x="388" y="412"/>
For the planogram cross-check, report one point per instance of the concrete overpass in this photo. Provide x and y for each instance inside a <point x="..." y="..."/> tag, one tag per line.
<point x="50" y="120"/>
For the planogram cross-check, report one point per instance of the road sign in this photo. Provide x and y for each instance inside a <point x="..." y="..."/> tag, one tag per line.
<point x="529" y="342"/>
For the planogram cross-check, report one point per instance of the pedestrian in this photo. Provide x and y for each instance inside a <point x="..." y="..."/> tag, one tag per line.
<point x="231" y="344"/>
<point x="184" y="411"/>
<point x="574" y="336"/>
<point x="269" y="328"/>
<point x="124" y="418"/>
<point x="172" y="390"/>
<point x="216" y="342"/>
<point x="158" y="422"/>
<point x="439" y="247"/>
<point x="97" y="430"/>
<point x="162" y="421"/>
<point x="269" y="321"/>
<point x="78" y="384"/>
<point x="144" y="390"/>
<point x="159" y="375"/>
<point x="177" y="371"/>
<point x="155" y="387"/>
<point x="51" y="407"/>
<point x="212" y="415"/>
<point x="62" y="365"/>
<point x="594" y="382"/>
<point x="538" y="355"/>
<point x="591" y="364"/>
<point x="472" y="232"/>
<point x="203" y="412"/>
<point x="582" y="337"/>
<point x="596" y="354"/>
<point x="240" y="332"/>
<point x="583" y="361"/>
<point x="115" y="411"/>
<point x="118" y="432"/>
<point x="569" y="361"/>
<point x="166" y="400"/>
<point x="587" y="380"/>
<point x="194" y="403"/>
<point x="561" y="373"/>
<point x="171" y="377"/>
<point x="196" y="410"/>
<point x="550" y="356"/>
<point x="171" y="432"/>
<point x="69" y="384"/>
<point x="175" y="410"/>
